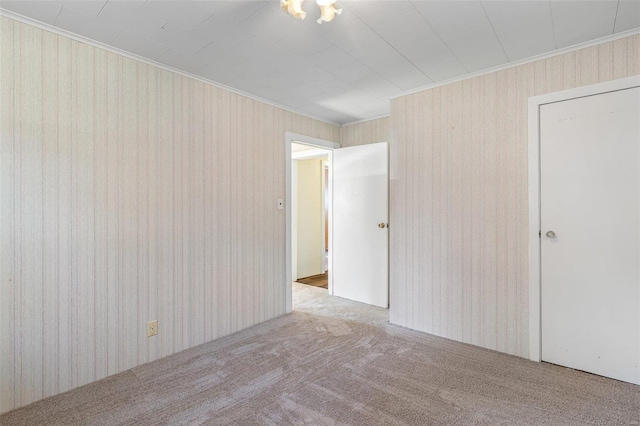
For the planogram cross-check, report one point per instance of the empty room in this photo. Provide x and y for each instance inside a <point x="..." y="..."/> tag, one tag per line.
<point x="322" y="212"/>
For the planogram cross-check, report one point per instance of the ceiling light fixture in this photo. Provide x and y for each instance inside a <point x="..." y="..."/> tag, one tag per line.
<point x="294" y="7"/>
<point x="328" y="10"/>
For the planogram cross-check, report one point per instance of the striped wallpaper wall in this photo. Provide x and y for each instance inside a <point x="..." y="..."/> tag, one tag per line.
<point x="372" y="131"/>
<point x="127" y="194"/>
<point x="459" y="196"/>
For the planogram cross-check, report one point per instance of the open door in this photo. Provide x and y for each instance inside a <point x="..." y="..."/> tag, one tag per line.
<point x="360" y="258"/>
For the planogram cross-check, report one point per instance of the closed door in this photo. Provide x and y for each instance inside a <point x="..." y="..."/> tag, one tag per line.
<point x="590" y="238"/>
<point x="360" y="266"/>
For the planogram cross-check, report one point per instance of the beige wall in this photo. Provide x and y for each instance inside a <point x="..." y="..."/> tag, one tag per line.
<point x="459" y="200"/>
<point x="372" y="131"/>
<point x="310" y="207"/>
<point x="128" y="193"/>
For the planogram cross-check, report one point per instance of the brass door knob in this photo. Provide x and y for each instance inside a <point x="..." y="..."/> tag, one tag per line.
<point x="382" y="225"/>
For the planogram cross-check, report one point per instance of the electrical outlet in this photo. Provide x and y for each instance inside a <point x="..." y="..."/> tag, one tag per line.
<point x="152" y="328"/>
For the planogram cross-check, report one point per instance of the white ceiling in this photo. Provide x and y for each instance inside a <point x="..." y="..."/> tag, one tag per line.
<point x="344" y="70"/>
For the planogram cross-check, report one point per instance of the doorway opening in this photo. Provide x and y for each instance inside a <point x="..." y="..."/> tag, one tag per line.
<point x="306" y="159"/>
<point x="310" y="208"/>
<point x="356" y="182"/>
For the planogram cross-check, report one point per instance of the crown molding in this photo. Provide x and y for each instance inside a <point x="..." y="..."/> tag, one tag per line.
<point x="47" y="27"/>
<point x="82" y="39"/>
<point x="508" y="65"/>
<point x="364" y="120"/>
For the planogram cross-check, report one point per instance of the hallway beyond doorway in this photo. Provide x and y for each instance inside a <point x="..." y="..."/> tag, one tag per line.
<point x="321" y="280"/>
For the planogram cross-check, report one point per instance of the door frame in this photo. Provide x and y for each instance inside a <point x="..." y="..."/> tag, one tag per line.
<point x="289" y="138"/>
<point x="535" y="102"/>
<point x="326" y="193"/>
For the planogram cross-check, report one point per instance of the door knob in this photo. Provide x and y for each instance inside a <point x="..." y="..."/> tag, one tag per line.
<point x="382" y="225"/>
<point x="550" y="234"/>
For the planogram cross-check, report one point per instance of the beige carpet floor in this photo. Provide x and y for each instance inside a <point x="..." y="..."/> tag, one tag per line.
<point x="337" y="362"/>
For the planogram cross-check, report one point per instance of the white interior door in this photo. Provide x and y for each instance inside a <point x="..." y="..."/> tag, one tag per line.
<point x="360" y="269"/>
<point x="590" y="200"/>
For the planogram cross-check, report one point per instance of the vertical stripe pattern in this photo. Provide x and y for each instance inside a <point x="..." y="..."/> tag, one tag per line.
<point x="459" y="197"/>
<point x="128" y="194"/>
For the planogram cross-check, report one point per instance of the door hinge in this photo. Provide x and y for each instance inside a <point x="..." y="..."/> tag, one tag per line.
<point x="539" y="234"/>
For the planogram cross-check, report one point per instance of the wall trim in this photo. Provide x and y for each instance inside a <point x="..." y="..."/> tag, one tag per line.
<point x="508" y="65"/>
<point x="535" y="300"/>
<point x="290" y="137"/>
<point x="44" y="26"/>
<point x="82" y="39"/>
<point x="365" y="120"/>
